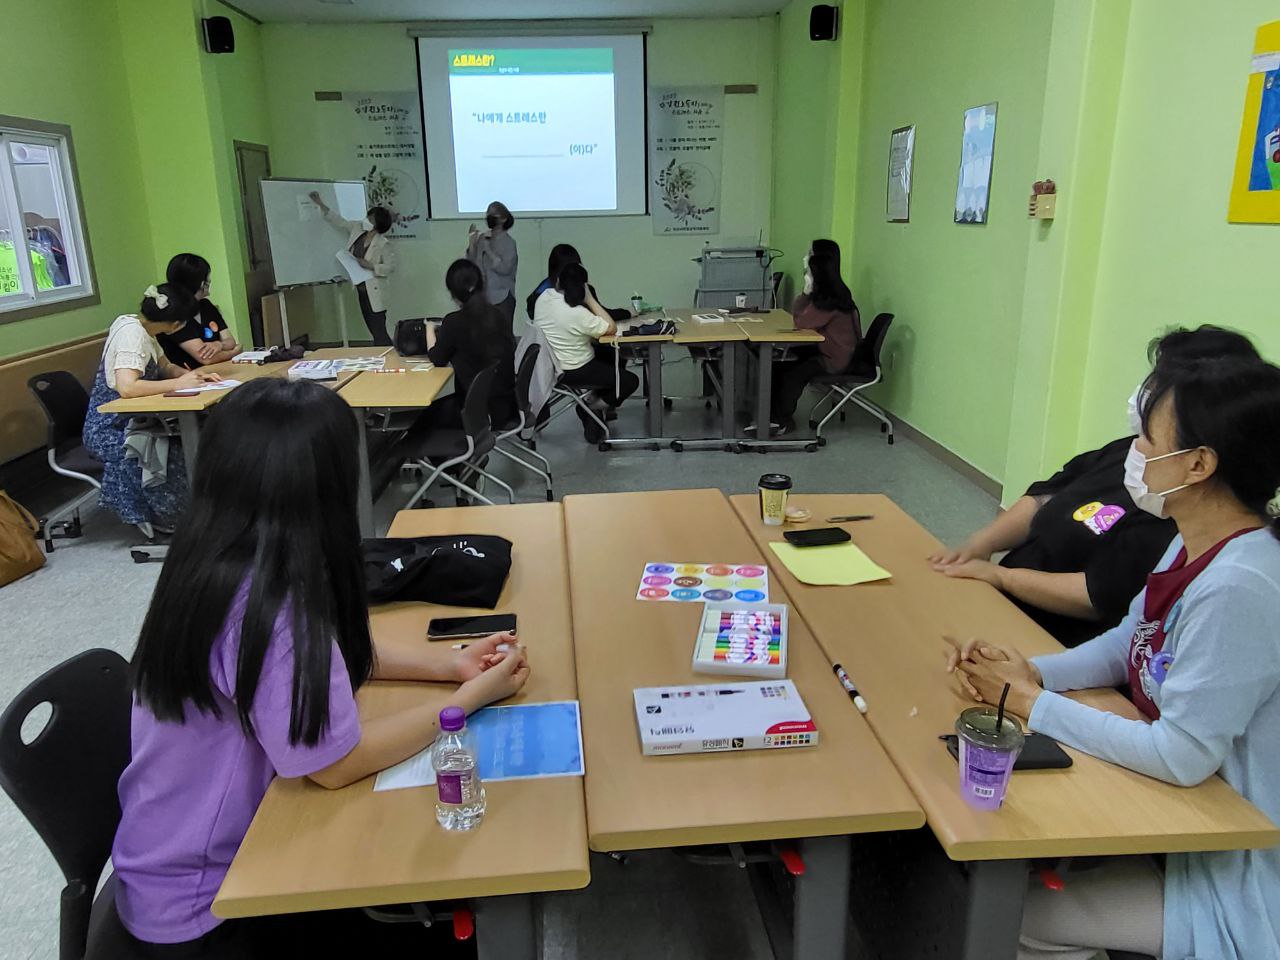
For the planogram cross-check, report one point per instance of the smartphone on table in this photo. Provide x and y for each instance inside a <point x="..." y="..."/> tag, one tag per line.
<point x="470" y="628"/>
<point x="821" y="537"/>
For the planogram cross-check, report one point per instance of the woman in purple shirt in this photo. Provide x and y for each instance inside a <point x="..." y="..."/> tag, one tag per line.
<point x="246" y="669"/>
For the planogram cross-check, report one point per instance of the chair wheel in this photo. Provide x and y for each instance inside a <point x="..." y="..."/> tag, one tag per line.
<point x="813" y="424"/>
<point x="706" y="405"/>
<point x="811" y="447"/>
<point x="667" y="403"/>
<point x="139" y="556"/>
<point x="884" y="428"/>
<point x="822" y="441"/>
<point x="550" y="497"/>
<point x="603" y="446"/>
<point x="891" y="439"/>
<point x="677" y="446"/>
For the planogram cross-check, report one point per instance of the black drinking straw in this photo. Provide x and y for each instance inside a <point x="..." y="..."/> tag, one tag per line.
<point x="1000" y="711"/>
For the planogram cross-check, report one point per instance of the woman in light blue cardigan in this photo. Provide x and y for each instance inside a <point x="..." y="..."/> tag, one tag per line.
<point x="1200" y="650"/>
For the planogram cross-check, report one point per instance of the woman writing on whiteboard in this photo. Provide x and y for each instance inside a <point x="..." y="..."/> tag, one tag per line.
<point x="494" y="252"/>
<point x="367" y="241"/>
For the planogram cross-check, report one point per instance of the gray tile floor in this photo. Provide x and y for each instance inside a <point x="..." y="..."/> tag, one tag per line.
<point x="91" y="595"/>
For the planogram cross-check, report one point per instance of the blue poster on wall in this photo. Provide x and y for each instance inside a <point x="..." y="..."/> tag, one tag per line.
<point x="977" y="146"/>
<point x="1264" y="174"/>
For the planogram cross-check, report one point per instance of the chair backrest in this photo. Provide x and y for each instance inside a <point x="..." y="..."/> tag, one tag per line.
<point x="475" y="409"/>
<point x="64" y="780"/>
<point x="866" y="355"/>
<point x="64" y="402"/>
<point x="524" y="380"/>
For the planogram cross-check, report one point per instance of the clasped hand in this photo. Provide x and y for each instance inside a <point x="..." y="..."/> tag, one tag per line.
<point x="983" y="669"/>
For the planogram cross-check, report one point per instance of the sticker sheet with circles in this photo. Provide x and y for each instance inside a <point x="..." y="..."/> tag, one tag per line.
<point x="700" y="582"/>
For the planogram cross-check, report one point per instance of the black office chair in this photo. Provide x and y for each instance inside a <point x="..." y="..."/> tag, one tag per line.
<point x="441" y="450"/>
<point x="64" y="780"/>
<point x="65" y="404"/>
<point x="864" y="371"/>
<point x="521" y="434"/>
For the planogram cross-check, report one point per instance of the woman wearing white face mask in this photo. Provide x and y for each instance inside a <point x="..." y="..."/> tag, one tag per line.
<point x="1078" y="547"/>
<point x="368" y="242"/>
<point x="827" y="306"/>
<point x="1201" y="654"/>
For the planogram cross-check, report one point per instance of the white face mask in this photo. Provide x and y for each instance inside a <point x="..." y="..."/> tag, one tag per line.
<point x="1135" y="410"/>
<point x="367" y="224"/>
<point x="808" y="282"/>
<point x="1135" y="480"/>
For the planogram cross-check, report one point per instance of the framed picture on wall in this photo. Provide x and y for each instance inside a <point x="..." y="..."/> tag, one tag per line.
<point x="898" y="192"/>
<point x="977" y="145"/>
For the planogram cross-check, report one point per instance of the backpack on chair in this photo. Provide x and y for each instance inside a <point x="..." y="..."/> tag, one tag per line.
<point x="19" y="551"/>
<point x="410" y="338"/>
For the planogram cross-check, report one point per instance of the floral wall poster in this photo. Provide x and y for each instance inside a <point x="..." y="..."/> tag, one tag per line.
<point x="377" y="138"/>
<point x="977" y="146"/>
<point x="1255" y="186"/>
<point x="685" y="141"/>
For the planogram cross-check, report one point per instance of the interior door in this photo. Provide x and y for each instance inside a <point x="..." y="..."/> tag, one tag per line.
<point x="253" y="165"/>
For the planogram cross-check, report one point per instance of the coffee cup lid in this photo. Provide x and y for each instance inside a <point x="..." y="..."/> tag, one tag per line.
<point x="775" y="481"/>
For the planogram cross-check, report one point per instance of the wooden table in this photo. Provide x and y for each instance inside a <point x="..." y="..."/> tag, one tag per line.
<point x="888" y="636"/>
<point x="315" y="849"/>
<point x="775" y="328"/>
<point x="405" y="389"/>
<point x="689" y="333"/>
<point x="820" y="794"/>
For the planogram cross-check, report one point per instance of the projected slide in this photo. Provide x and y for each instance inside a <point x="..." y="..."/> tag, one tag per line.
<point x="538" y="122"/>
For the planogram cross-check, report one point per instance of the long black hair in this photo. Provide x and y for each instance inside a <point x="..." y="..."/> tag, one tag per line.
<point x="827" y="248"/>
<point x="272" y="525"/>
<point x="1232" y="406"/>
<point x="572" y="282"/>
<point x="829" y="291"/>
<point x="562" y="254"/>
<point x="190" y="271"/>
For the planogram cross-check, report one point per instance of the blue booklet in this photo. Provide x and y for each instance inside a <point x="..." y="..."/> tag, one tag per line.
<point x="515" y="742"/>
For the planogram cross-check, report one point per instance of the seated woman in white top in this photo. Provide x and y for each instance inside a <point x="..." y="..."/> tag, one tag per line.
<point x="134" y="365"/>
<point x="1200" y="652"/>
<point x="573" y="322"/>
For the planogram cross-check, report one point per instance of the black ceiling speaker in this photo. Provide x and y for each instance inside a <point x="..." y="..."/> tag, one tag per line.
<point x="822" y="22"/>
<point x="218" y="36"/>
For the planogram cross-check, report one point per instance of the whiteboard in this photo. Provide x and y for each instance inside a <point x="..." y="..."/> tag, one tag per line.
<point x="304" y="245"/>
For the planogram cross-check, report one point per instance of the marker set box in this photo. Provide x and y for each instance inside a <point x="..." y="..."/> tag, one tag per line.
<point x="741" y="639"/>
<point x="751" y="715"/>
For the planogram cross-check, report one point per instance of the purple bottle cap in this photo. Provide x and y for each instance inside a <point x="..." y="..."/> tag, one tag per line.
<point x="453" y="718"/>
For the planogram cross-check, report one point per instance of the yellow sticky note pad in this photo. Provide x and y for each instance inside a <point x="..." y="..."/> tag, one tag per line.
<point x="841" y="565"/>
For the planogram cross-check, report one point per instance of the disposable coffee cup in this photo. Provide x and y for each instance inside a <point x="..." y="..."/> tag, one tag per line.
<point x="773" y="498"/>
<point x="740" y="300"/>
<point x="987" y="755"/>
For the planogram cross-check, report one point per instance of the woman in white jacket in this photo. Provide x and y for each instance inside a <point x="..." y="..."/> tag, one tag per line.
<point x="367" y="241"/>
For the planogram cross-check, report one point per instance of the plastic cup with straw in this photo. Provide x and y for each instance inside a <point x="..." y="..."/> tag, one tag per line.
<point x="989" y="746"/>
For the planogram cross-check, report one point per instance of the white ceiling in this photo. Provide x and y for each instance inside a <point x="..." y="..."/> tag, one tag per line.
<point x="317" y="11"/>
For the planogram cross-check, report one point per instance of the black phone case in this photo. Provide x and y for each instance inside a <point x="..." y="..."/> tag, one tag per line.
<point x="1038" y="753"/>
<point x="499" y="621"/>
<point x="821" y="537"/>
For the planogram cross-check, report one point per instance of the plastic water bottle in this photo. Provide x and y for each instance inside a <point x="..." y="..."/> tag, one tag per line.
<point x="459" y="793"/>
<point x="637" y="302"/>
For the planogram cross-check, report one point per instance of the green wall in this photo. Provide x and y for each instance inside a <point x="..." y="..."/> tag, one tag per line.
<point x="1168" y="254"/>
<point x="76" y="75"/>
<point x="956" y="290"/>
<point x="621" y="252"/>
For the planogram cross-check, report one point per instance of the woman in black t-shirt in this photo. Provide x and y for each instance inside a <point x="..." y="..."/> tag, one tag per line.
<point x="473" y="337"/>
<point x="205" y="338"/>
<point x="1079" y="549"/>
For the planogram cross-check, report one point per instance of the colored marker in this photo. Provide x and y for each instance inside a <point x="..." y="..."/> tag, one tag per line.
<point x="849" y="688"/>
<point x="851" y="518"/>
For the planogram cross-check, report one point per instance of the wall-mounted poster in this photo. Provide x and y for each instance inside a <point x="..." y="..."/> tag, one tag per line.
<point x="1255" y="188"/>
<point x="685" y="130"/>
<point x="377" y="138"/>
<point x="898" y="193"/>
<point x="976" y="149"/>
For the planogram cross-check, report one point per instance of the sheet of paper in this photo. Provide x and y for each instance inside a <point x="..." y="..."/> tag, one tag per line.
<point x="681" y="582"/>
<point x="362" y="363"/>
<point x="351" y="265"/>
<point x="251" y="356"/>
<point x="708" y="318"/>
<point x="842" y="564"/>
<point x="219" y="385"/>
<point x="520" y="742"/>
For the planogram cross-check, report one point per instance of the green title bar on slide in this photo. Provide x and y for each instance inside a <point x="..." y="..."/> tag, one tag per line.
<point x="480" y="62"/>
